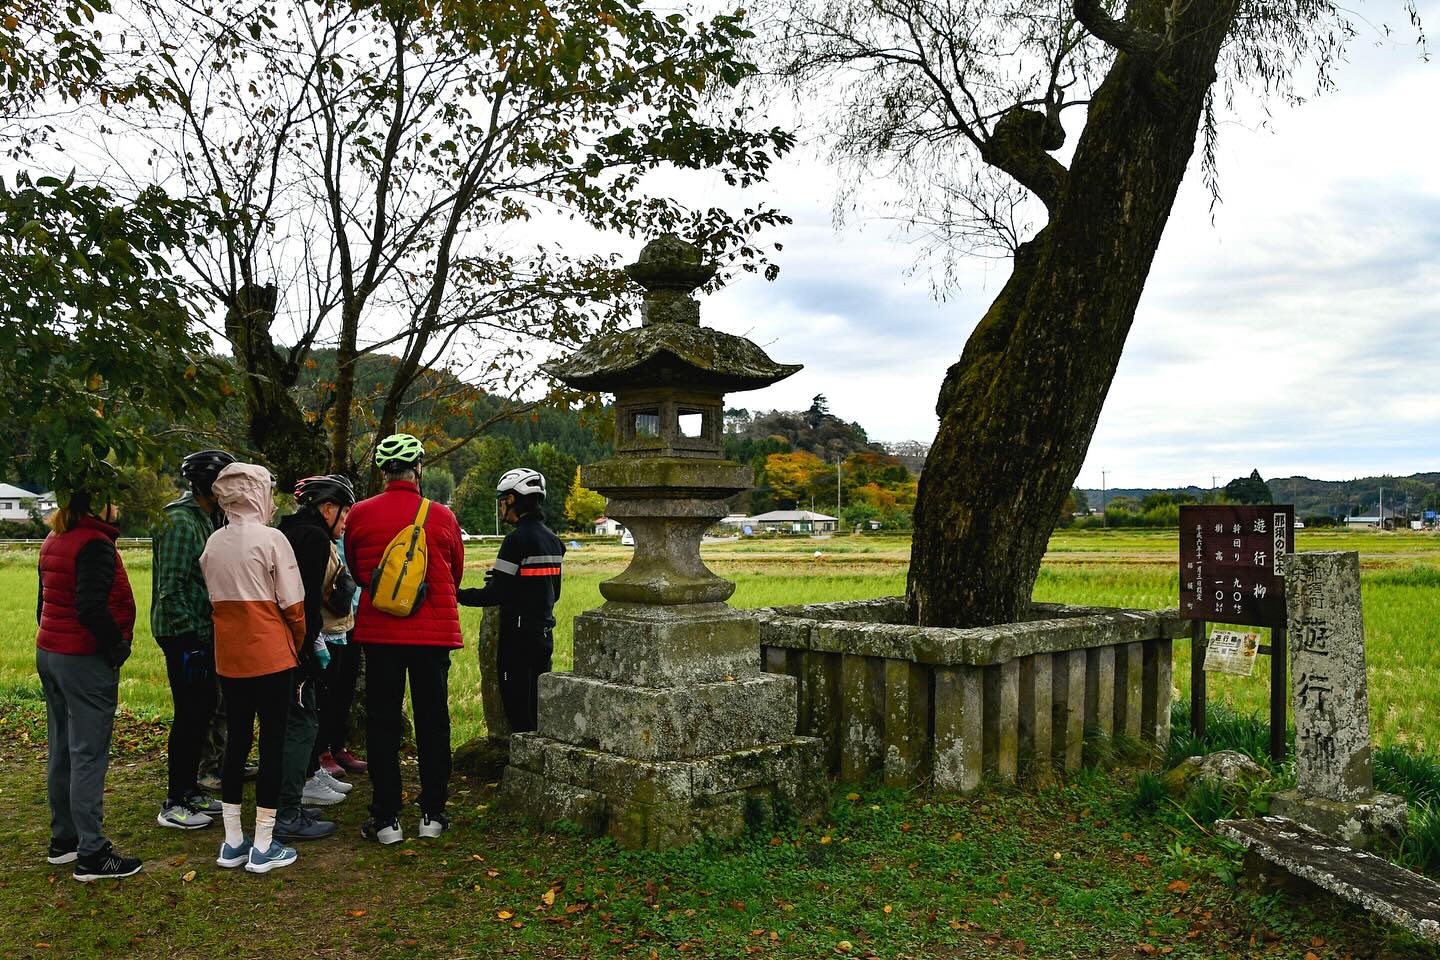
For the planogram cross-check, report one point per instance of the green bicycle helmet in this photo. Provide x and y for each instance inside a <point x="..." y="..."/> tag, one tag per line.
<point x="399" y="449"/>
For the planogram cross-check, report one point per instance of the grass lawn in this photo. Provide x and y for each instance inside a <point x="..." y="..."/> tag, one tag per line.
<point x="1063" y="872"/>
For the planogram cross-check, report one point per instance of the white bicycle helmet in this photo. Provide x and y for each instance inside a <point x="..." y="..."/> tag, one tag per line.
<point x="521" y="481"/>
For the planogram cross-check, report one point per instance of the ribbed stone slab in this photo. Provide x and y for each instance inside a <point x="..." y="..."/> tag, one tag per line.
<point x="862" y="717"/>
<point x="1159" y="665"/>
<point x="907" y="708"/>
<point x="1001" y="721"/>
<point x="1036" y="720"/>
<point x="659" y="723"/>
<point x="1100" y="691"/>
<point x="1068" y="707"/>
<point x="666" y="646"/>
<point x="959" y="728"/>
<point x="1129" y="689"/>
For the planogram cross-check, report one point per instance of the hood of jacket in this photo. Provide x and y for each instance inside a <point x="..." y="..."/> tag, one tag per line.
<point x="245" y="491"/>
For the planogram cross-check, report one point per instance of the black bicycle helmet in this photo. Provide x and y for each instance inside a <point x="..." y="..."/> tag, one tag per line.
<point x="202" y="467"/>
<point x="331" y="488"/>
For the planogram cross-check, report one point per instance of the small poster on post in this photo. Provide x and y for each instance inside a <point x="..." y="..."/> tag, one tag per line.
<point x="1232" y="652"/>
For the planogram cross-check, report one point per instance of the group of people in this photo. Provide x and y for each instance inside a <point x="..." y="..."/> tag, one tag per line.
<point x="265" y="626"/>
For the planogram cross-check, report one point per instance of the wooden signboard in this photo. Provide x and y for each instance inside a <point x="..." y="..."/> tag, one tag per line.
<point x="1232" y="564"/>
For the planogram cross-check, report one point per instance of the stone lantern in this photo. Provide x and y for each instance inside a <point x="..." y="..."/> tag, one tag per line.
<point x="667" y="728"/>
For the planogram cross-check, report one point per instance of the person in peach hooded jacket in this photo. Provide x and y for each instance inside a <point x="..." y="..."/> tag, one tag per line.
<point x="258" y="604"/>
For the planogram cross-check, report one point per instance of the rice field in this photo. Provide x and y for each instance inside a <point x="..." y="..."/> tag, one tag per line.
<point x="1400" y="586"/>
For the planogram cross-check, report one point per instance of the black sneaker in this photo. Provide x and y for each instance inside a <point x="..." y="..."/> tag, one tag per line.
<point x="104" y="865"/>
<point x="62" y="851"/>
<point x="382" y="831"/>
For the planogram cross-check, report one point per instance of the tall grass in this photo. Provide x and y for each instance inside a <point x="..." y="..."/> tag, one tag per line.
<point x="1130" y="568"/>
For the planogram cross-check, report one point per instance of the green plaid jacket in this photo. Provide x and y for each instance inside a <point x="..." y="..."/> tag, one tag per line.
<point x="179" y="603"/>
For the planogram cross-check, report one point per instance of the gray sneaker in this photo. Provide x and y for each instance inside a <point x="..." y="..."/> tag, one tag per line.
<point x="181" y="816"/>
<point x="303" y="828"/>
<point x="203" y="802"/>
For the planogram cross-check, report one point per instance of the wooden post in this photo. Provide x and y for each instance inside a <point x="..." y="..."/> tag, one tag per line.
<point x="1197" y="679"/>
<point x="1279" y="693"/>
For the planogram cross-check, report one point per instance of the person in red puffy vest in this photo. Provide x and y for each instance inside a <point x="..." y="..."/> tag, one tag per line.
<point x="86" y="616"/>
<point x="418" y="645"/>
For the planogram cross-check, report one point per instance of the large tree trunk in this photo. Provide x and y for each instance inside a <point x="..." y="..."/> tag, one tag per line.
<point x="1019" y="408"/>
<point x="278" y="429"/>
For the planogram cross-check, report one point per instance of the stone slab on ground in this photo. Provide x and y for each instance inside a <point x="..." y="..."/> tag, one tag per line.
<point x="1400" y="896"/>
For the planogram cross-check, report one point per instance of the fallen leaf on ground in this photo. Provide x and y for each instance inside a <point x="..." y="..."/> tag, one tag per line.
<point x="548" y="898"/>
<point x="356" y="913"/>
<point x="1177" y="886"/>
<point x="188" y="875"/>
<point x="504" y="914"/>
<point x="852" y="797"/>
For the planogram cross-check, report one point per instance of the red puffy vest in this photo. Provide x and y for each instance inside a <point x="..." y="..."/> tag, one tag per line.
<point x="60" y="627"/>
<point x="372" y="523"/>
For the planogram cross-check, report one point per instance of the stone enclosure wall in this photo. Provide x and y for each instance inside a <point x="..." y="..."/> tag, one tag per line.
<point x="952" y="707"/>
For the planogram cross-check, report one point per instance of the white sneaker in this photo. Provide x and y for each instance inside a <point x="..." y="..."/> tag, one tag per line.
<point x="317" y="793"/>
<point x="182" y="816"/>
<point x="334" y="783"/>
<point x="431" y="827"/>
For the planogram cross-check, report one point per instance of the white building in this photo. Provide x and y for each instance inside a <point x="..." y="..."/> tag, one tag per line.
<point x="605" y="527"/>
<point x="794" y="521"/>
<point x="16" y="504"/>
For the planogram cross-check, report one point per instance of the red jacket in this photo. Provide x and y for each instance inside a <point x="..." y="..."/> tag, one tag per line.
<point x="372" y="525"/>
<point x="70" y="617"/>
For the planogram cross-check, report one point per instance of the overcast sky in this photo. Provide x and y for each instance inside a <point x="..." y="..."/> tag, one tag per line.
<point x="1296" y="335"/>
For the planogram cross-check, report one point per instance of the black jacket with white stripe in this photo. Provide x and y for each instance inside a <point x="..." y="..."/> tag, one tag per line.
<point x="525" y="582"/>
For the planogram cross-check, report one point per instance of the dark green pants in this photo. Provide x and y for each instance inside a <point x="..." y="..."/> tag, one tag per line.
<point x="301" y="726"/>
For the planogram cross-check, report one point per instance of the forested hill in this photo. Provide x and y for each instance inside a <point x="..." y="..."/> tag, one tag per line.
<point x="1317" y="498"/>
<point x="457" y="407"/>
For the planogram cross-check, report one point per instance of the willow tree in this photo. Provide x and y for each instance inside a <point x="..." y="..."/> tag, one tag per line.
<point x="1084" y="116"/>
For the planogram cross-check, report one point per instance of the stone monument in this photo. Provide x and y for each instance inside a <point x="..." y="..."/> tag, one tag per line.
<point x="1335" y="790"/>
<point x="666" y="729"/>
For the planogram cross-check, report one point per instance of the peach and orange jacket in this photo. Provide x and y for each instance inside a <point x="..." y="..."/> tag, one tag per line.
<point x="254" y="582"/>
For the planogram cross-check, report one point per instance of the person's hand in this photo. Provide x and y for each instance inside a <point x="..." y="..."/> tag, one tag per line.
<point x="469" y="596"/>
<point x="117" y="653"/>
<point x="198" y="661"/>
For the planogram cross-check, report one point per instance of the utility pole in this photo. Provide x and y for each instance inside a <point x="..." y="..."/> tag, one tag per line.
<point x="1104" y="519"/>
<point x="1382" y="505"/>
<point x="839" y="467"/>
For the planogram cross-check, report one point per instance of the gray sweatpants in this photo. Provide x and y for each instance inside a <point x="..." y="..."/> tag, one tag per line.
<point x="81" y="693"/>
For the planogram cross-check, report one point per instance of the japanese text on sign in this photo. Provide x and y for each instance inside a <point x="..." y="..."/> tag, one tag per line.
<point x="1232" y="562"/>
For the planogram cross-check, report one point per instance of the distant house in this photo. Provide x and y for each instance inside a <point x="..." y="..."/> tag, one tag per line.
<point x="737" y="520"/>
<point x="605" y="527"/>
<point x="17" y="503"/>
<point x="1383" y="520"/>
<point x="794" y="521"/>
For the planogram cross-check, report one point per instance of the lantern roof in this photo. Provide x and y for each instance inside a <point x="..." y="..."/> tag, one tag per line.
<point x="670" y="348"/>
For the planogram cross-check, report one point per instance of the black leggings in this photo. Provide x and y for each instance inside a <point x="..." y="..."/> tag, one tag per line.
<point x="336" y="695"/>
<point x="190" y="666"/>
<point x="247" y="698"/>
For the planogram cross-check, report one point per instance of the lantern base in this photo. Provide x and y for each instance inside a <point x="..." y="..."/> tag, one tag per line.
<point x="657" y="805"/>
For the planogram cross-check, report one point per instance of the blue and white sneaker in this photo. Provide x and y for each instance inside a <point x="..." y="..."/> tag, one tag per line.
<point x="234" y="856"/>
<point x="276" y="857"/>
